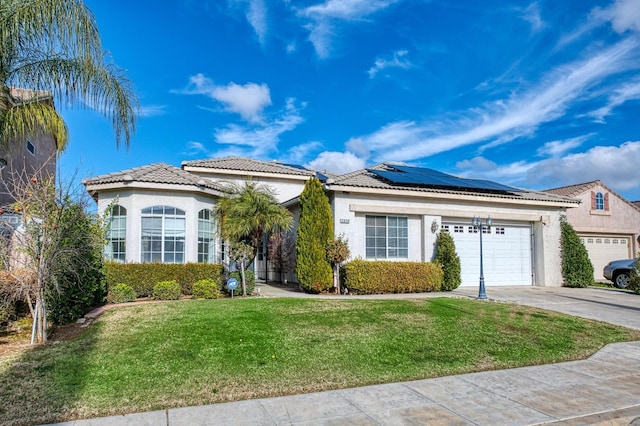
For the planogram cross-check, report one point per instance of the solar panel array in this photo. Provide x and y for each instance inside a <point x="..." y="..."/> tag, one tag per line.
<point x="429" y="178"/>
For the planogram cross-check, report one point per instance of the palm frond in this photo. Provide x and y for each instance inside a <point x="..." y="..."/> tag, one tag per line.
<point x="27" y="119"/>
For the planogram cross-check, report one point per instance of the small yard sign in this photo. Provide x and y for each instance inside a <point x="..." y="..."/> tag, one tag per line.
<point x="232" y="284"/>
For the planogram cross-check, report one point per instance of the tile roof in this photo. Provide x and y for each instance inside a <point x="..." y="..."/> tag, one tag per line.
<point x="248" y="165"/>
<point x="581" y="188"/>
<point x="154" y="173"/>
<point x="573" y="190"/>
<point x="366" y="179"/>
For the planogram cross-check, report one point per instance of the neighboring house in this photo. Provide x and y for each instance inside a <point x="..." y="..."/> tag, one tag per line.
<point x="391" y="212"/>
<point x="35" y="154"/>
<point x="607" y="224"/>
<point x="160" y="213"/>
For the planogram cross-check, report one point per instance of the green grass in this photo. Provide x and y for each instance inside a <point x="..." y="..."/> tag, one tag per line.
<point x="166" y="355"/>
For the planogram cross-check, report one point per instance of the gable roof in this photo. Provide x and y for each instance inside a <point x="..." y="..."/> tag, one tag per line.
<point x="369" y="179"/>
<point x="581" y="188"/>
<point x="576" y="189"/>
<point x="247" y="165"/>
<point x="158" y="173"/>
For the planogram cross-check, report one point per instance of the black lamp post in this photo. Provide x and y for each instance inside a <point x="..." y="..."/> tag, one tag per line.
<point x="477" y="223"/>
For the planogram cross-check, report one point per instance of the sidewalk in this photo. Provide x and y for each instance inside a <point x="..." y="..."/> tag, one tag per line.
<point x="602" y="390"/>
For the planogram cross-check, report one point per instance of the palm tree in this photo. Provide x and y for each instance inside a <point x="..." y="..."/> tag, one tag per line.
<point x="53" y="49"/>
<point x="248" y="212"/>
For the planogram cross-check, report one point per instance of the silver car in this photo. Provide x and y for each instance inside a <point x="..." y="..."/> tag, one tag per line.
<point x="618" y="271"/>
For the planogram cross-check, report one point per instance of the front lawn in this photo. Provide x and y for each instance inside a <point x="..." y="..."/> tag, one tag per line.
<point x="166" y="355"/>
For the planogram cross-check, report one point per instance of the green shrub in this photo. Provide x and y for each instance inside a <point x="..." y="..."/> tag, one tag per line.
<point x="380" y="277"/>
<point x="315" y="231"/>
<point x="144" y="276"/>
<point x="449" y="260"/>
<point x="250" y="281"/>
<point x="577" y="269"/>
<point x="167" y="290"/>
<point x="78" y="272"/>
<point x="634" y="277"/>
<point x="205" y="289"/>
<point x="121" y="293"/>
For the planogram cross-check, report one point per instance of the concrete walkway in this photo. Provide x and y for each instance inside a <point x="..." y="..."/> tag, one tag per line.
<point x="603" y="390"/>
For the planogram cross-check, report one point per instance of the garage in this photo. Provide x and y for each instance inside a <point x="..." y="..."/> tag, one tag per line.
<point x="604" y="248"/>
<point x="507" y="253"/>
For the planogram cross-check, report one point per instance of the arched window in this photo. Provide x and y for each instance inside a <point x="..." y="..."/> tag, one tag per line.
<point x="599" y="201"/>
<point x="163" y="234"/>
<point x="116" y="247"/>
<point x="206" y="242"/>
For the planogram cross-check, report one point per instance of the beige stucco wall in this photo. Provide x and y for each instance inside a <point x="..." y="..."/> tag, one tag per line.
<point x="622" y="219"/>
<point x="350" y="210"/>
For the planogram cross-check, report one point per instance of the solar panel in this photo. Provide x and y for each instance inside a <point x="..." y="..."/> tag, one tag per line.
<point x="423" y="177"/>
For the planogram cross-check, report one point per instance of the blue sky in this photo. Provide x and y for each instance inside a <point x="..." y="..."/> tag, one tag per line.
<point x="534" y="94"/>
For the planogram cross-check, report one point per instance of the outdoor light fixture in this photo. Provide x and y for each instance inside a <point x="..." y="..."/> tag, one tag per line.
<point x="477" y="223"/>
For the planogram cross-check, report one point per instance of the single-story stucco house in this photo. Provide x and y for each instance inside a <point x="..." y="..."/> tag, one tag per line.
<point x="606" y="222"/>
<point x="386" y="212"/>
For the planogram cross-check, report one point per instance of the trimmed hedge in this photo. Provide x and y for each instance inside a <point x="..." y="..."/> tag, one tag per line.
<point x="380" y="277"/>
<point x="449" y="260"/>
<point x="121" y="293"/>
<point x="205" y="289"/>
<point x="577" y="269"/>
<point x="142" y="277"/>
<point x="167" y="290"/>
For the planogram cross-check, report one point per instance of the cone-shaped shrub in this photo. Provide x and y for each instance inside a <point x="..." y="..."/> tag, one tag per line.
<point x="447" y="257"/>
<point x="315" y="230"/>
<point x="577" y="269"/>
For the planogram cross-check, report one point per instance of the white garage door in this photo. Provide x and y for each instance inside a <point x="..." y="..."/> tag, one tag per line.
<point x="506" y="253"/>
<point x="605" y="248"/>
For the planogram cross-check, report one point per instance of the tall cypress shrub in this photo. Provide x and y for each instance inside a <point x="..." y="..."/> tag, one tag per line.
<point x="315" y="230"/>
<point x="577" y="269"/>
<point x="447" y="257"/>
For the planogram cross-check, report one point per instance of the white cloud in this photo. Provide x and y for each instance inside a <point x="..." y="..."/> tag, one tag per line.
<point x="256" y="13"/>
<point x="396" y="60"/>
<point x="532" y="15"/>
<point x="299" y="153"/>
<point x="325" y="16"/>
<point x="624" y="15"/>
<point x="620" y="95"/>
<point x="613" y="165"/>
<point x="559" y="147"/>
<point x="249" y="100"/>
<point x="152" y="110"/>
<point x="196" y="148"/>
<point x="507" y="119"/>
<point x="336" y="162"/>
<point x="258" y="141"/>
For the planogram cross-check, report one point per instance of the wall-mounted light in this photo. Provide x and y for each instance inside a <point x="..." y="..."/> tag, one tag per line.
<point x="435" y="226"/>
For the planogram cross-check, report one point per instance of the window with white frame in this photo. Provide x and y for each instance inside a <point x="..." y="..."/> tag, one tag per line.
<point x="387" y="237"/>
<point x="206" y="242"/>
<point x="163" y="234"/>
<point x="599" y="201"/>
<point x="116" y="248"/>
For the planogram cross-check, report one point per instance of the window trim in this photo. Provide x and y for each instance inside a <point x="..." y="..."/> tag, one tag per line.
<point x="166" y="214"/>
<point x="399" y="237"/>
<point x="31" y="147"/>
<point x="109" y="252"/>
